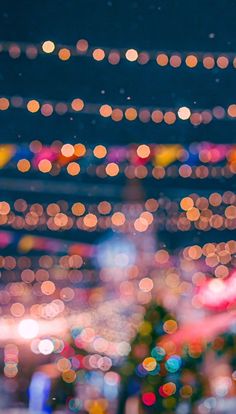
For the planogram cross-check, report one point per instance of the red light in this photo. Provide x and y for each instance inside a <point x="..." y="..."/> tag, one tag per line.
<point x="149" y="398"/>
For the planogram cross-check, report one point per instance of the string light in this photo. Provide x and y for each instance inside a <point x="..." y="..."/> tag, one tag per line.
<point x="48" y="46"/>
<point x="157" y="115"/>
<point x="184" y="113"/>
<point x="192" y="211"/>
<point x="113" y="56"/>
<point x="134" y="161"/>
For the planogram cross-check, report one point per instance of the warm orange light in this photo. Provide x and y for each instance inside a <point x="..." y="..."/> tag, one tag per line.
<point x="17" y="310"/>
<point x="147" y="216"/>
<point x="230" y="212"/>
<point x="100" y="151"/>
<point x="196" y="118"/>
<point x="67" y="150"/>
<point x="60" y="219"/>
<point x="44" y="166"/>
<point x="80" y="150"/>
<point x="4" y="104"/>
<point x="48" y="46"/>
<point x="105" y="111"/>
<point x="162" y="256"/>
<point x="112" y="169"/>
<point x="175" y="61"/>
<point x="221" y="271"/>
<point x="48" y="287"/>
<point x="146" y="284"/>
<point x="185" y="171"/>
<point x="63" y="364"/>
<point x="191" y="61"/>
<point x="170" y="326"/>
<point x="117" y="114"/>
<point x="158" y="172"/>
<point x="90" y="220"/>
<point x="69" y="376"/>
<point x="222" y="62"/>
<point x="169" y="117"/>
<point x="151" y="204"/>
<point x="23" y="165"/>
<point x="215" y="199"/>
<point x="195" y="252"/>
<point x="98" y="54"/>
<point x="208" y="62"/>
<point x="131" y="55"/>
<point x="77" y="104"/>
<point x="157" y="116"/>
<point x="131" y="114"/>
<point x="143" y="151"/>
<point x="186" y="203"/>
<point x="149" y="364"/>
<point x="53" y="209"/>
<point x="118" y="219"/>
<point x="141" y="224"/>
<point x="169" y="388"/>
<point x="162" y="59"/>
<point x="78" y="209"/>
<point x="64" y="54"/>
<point x="73" y="168"/>
<point x="184" y="113"/>
<point x="33" y="106"/>
<point x="104" y="207"/>
<point x="232" y="110"/>
<point x="193" y="214"/>
<point x="4" y="208"/>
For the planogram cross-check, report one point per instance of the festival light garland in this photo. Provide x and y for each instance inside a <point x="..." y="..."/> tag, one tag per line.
<point x="199" y="160"/>
<point x="112" y="170"/>
<point x="163" y="58"/>
<point x="118" y="113"/>
<point x="211" y="200"/>
<point x="192" y="212"/>
<point x="135" y="154"/>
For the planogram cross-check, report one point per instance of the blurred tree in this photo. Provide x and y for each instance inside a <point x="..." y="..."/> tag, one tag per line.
<point x="163" y="380"/>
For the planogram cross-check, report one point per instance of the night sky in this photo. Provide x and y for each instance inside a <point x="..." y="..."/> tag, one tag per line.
<point x="149" y="25"/>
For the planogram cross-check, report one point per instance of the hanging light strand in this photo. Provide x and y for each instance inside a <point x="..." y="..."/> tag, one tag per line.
<point x="162" y="58"/>
<point x="157" y="115"/>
